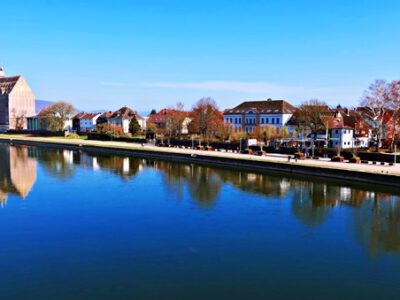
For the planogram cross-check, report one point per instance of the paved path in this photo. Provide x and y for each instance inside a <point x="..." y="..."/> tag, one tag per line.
<point x="322" y="163"/>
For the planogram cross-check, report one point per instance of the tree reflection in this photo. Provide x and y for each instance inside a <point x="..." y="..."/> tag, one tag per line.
<point x="312" y="202"/>
<point x="203" y="183"/>
<point x="377" y="223"/>
<point x="57" y="162"/>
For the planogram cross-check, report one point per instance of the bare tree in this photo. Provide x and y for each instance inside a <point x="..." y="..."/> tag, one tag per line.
<point x="308" y="115"/>
<point x="394" y="102"/>
<point x="176" y="119"/>
<point x="19" y="119"/>
<point x="206" y="118"/>
<point x="376" y="105"/>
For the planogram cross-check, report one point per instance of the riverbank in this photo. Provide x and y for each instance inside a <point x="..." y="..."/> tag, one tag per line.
<point x="376" y="174"/>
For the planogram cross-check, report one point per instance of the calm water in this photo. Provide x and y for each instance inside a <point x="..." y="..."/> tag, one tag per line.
<point x="78" y="225"/>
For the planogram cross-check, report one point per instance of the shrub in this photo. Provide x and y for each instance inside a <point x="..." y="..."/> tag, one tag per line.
<point x="337" y="158"/>
<point x="261" y="153"/>
<point x="247" y="151"/>
<point x="355" y="160"/>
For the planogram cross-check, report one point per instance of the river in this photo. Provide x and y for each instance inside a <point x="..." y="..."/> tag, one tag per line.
<point x="86" y="225"/>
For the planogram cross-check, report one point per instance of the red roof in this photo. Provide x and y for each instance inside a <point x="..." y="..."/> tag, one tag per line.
<point x="85" y="116"/>
<point x="106" y="114"/>
<point x="162" y="115"/>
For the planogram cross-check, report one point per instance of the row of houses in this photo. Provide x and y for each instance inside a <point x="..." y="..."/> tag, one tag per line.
<point x="342" y="128"/>
<point x="86" y="122"/>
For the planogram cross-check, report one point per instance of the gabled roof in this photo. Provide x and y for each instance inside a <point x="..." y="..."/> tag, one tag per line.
<point x="163" y="115"/>
<point x="263" y="107"/>
<point x="125" y="113"/>
<point x="86" y="116"/>
<point x="78" y="115"/>
<point x="7" y="84"/>
<point x="106" y="114"/>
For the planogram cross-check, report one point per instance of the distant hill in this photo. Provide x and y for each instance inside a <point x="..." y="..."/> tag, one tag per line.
<point x="40" y="104"/>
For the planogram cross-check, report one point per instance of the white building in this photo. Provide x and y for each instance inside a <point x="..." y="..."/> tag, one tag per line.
<point x="342" y="137"/>
<point x="250" y="114"/>
<point x="346" y="129"/>
<point x="122" y="117"/>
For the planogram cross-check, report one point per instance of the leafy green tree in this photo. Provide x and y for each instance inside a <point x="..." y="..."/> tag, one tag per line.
<point x="153" y="112"/>
<point x="134" y="126"/>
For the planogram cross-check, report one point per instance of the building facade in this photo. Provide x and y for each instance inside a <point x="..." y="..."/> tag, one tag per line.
<point x="250" y="114"/>
<point x="17" y="102"/>
<point x="164" y="117"/>
<point x="85" y="122"/>
<point x="38" y="122"/>
<point x="122" y="117"/>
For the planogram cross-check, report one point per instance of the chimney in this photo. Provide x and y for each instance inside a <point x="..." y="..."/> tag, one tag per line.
<point x="2" y="74"/>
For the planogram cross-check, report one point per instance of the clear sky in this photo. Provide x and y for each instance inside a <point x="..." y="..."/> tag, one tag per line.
<point x="152" y="54"/>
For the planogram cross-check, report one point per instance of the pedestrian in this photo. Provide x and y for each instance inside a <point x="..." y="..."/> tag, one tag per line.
<point x="288" y="158"/>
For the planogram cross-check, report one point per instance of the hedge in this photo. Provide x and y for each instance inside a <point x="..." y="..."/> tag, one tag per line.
<point x="376" y="156"/>
<point x="110" y="137"/>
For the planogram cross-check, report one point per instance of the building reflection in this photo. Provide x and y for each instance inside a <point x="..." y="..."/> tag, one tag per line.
<point x="374" y="215"/>
<point x="124" y="167"/>
<point x="17" y="172"/>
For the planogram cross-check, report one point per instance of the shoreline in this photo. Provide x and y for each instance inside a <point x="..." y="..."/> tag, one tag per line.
<point x="338" y="171"/>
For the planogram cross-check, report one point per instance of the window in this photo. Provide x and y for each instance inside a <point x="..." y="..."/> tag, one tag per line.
<point x="267" y="120"/>
<point x="273" y="121"/>
<point x="277" y="120"/>
<point x="336" y="131"/>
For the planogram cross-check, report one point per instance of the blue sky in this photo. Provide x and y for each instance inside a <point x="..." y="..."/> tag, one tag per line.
<point x="152" y="54"/>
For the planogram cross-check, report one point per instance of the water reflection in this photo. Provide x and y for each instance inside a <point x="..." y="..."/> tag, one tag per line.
<point x="377" y="224"/>
<point x="17" y="172"/>
<point x="374" y="214"/>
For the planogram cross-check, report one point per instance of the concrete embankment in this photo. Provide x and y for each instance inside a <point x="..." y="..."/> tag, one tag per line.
<point x="229" y="160"/>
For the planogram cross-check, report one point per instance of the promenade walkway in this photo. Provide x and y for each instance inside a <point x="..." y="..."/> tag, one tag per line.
<point x="322" y="163"/>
